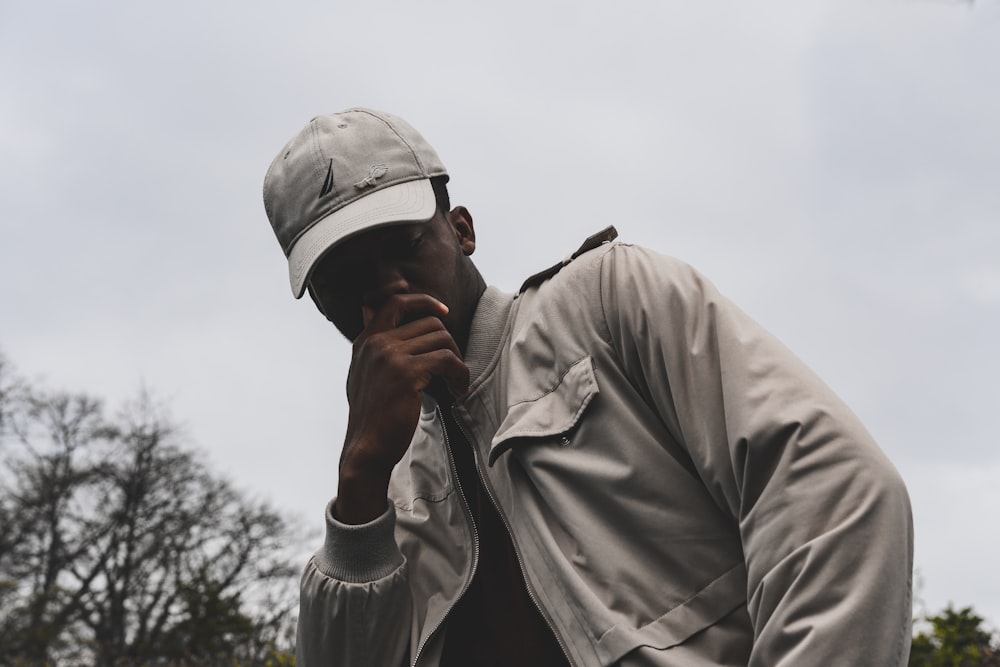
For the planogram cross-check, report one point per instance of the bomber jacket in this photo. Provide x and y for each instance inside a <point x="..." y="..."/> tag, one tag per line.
<point x="680" y="490"/>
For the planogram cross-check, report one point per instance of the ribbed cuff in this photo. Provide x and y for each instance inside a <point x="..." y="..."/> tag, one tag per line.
<point x="359" y="554"/>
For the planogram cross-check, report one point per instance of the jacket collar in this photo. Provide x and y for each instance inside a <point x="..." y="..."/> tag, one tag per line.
<point x="486" y="332"/>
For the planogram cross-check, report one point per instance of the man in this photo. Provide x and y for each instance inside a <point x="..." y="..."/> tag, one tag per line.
<point x="615" y="466"/>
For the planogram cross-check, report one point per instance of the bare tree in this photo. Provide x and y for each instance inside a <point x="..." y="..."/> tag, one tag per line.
<point x="121" y="547"/>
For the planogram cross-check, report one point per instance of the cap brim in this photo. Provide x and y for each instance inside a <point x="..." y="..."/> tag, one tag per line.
<point x="410" y="201"/>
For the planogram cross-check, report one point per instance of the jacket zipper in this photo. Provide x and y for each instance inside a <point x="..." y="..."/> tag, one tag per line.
<point x="510" y="534"/>
<point x="475" y="537"/>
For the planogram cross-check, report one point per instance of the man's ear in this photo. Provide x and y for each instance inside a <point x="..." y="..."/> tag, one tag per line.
<point x="465" y="231"/>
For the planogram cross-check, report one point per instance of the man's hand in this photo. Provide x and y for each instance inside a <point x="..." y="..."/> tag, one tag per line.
<point x="402" y="349"/>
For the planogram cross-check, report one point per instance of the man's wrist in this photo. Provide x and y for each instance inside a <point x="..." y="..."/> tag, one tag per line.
<point x="361" y="496"/>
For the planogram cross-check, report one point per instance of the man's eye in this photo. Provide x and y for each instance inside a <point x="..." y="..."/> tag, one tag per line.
<point x="403" y="246"/>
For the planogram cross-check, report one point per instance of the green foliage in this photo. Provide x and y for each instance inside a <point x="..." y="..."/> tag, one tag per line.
<point x="955" y="639"/>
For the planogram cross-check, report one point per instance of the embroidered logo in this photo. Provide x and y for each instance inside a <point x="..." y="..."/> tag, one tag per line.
<point x="328" y="183"/>
<point x="376" y="172"/>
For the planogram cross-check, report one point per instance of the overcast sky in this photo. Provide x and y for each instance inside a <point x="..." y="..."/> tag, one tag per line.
<point x="834" y="167"/>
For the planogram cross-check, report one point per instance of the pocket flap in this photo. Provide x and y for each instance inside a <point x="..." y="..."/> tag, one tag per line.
<point x="553" y="413"/>
<point x="700" y="611"/>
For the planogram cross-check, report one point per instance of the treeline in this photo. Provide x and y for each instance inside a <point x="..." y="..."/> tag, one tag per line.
<point x="119" y="547"/>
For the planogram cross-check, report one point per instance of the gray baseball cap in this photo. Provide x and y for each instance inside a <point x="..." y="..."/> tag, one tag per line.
<point x="345" y="173"/>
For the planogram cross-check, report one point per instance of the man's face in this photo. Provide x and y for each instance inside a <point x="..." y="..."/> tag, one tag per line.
<point x="354" y="279"/>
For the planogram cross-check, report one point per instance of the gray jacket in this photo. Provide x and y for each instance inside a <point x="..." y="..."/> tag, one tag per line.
<point x="680" y="490"/>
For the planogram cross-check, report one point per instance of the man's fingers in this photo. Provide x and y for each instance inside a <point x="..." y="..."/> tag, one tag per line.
<point x="449" y="367"/>
<point x="427" y="335"/>
<point x="435" y="355"/>
<point x="400" y="308"/>
<point x="407" y="329"/>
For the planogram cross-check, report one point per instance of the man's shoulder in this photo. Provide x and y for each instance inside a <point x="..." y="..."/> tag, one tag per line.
<point x="601" y="251"/>
<point x="593" y="242"/>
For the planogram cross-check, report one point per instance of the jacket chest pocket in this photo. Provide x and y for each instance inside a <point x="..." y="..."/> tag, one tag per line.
<point x="551" y="415"/>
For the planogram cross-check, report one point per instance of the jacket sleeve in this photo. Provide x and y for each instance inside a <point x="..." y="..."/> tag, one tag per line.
<point x="354" y="603"/>
<point x="824" y="518"/>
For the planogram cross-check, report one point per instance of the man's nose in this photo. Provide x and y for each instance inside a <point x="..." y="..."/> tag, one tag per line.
<point x="386" y="281"/>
